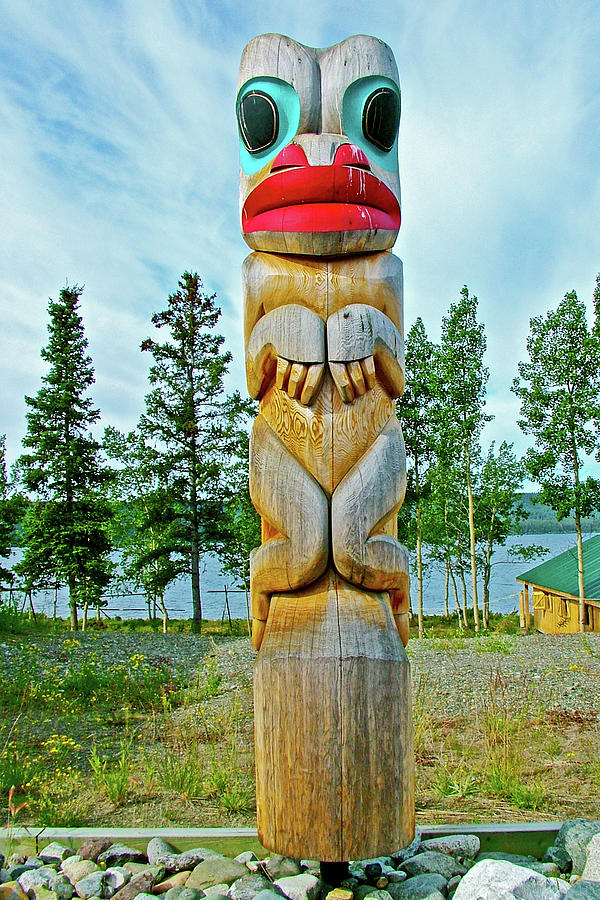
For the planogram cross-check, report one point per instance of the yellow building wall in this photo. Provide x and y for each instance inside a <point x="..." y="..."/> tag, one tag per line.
<point x="553" y="614"/>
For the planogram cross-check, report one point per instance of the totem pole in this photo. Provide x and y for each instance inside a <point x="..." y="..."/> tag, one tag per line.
<point x="320" y="206"/>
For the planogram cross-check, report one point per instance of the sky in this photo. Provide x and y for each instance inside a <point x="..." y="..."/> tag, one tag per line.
<point x="119" y="170"/>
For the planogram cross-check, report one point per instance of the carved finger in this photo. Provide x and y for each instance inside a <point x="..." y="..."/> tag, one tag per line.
<point x="283" y="371"/>
<point x="368" y="367"/>
<point x="341" y="378"/>
<point x="312" y="383"/>
<point x="357" y="378"/>
<point x="296" y="380"/>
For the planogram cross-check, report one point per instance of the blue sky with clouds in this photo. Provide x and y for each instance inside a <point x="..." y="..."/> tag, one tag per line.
<point x="119" y="169"/>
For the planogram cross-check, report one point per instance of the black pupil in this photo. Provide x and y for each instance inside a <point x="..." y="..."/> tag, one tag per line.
<point x="258" y="121"/>
<point x="381" y="118"/>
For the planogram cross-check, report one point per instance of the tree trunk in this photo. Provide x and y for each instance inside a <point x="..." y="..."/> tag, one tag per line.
<point x="472" y="539"/>
<point x="447" y="591"/>
<point x="463" y="584"/>
<point x="165" y="615"/>
<point x="580" y="573"/>
<point x="461" y="620"/>
<point x="85" y="616"/>
<point x="195" y="544"/>
<point x="72" y="606"/>
<point x="419" y="572"/>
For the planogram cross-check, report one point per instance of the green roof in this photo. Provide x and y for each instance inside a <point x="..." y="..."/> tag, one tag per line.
<point x="560" y="573"/>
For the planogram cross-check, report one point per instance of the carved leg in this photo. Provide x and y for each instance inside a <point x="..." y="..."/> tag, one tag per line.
<point x="293" y="503"/>
<point x="369" y="495"/>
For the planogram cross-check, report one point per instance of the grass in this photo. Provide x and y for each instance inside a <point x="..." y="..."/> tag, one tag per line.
<point x="87" y="739"/>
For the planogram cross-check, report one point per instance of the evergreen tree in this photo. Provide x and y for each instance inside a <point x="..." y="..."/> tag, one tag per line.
<point x="559" y="389"/>
<point x="64" y="530"/>
<point x="193" y="426"/>
<point x="9" y="514"/>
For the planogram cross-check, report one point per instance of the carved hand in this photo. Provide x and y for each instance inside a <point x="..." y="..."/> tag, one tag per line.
<point x="287" y="344"/>
<point x="361" y="340"/>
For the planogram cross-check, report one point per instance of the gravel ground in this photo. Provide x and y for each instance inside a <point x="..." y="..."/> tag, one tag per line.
<point x="558" y="672"/>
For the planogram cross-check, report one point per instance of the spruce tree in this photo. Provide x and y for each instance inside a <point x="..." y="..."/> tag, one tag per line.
<point x="9" y="514"/>
<point x="64" y="530"/>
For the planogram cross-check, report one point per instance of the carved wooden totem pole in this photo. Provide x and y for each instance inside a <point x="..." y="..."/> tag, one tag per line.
<point x="320" y="206"/>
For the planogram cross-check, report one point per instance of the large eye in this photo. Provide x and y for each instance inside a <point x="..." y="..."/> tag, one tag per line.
<point x="258" y="121"/>
<point x="381" y="118"/>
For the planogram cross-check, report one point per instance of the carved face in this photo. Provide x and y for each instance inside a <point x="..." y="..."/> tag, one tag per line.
<point x="318" y="146"/>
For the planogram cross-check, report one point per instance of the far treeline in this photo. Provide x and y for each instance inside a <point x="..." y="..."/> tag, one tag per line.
<point x="175" y="487"/>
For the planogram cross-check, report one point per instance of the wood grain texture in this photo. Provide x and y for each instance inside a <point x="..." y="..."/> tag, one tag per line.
<point x="334" y="755"/>
<point x="358" y="331"/>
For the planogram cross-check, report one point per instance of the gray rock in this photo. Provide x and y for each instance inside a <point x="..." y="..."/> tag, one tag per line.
<point x="312" y="866"/>
<point x="584" y="890"/>
<point x="62" y="887"/>
<point x="248" y="886"/>
<point x="568" y="850"/>
<point x="15" y="872"/>
<point x="34" y="862"/>
<point x="281" y="867"/>
<point x="205" y="853"/>
<point x="217" y="891"/>
<point x="79" y="868"/>
<point x="374" y="893"/>
<point x="183" y="893"/>
<point x="143" y="895"/>
<point x="92" y="848"/>
<point x="461" y="846"/>
<point x="157" y="847"/>
<point x="419" y="887"/>
<point x="299" y="887"/>
<point x="246" y="857"/>
<point x="119" y="854"/>
<point x="214" y="871"/>
<point x="91" y="885"/>
<point x="181" y="862"/>
<point x="591" y="870"/>
<point x="268" y="894"/>
<point x="136" y="868"/>
<point x="115" y="878"/>
<point x="55" y="852"/>
<point x="549" y="869"/>
<point x="39" y="892"/>
<point x="41" y="876"/>
<point x="406" y="852"/>
<point x="139" y="884"/>
<point x="498" y="879"/>
<point x="431" y="861"/>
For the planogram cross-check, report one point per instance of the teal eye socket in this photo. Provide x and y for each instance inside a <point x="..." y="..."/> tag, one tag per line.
<point x="268" y="115"/>
<point x="371" y="116"/>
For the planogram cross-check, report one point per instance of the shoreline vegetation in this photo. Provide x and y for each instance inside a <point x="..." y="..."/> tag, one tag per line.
<point x="158" y="729"/>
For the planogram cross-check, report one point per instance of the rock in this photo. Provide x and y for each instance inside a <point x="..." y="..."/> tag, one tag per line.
<point x="114" y="879"/>
<point x="179" y="862"/>
<point x="394" y="877"/>
<point x="55" y="852"/>
<point x="568" y="850"/>
<point x="15" y="872"/>
<point x="15" y="859"/>
<point x="217" y="891"/>
<point x="78" y="869"/>
<point x="461" y="846"/>
<point x="41" y="876"/>
<point x="183" y="893"/>
<point x="93" y="848"/>
<point x="12" y="890"/>
<point x="62" y="886"/>
<point x="584" y="890"/>
<point x="39" y="892"/>
<point x="246" y="857"/>
<point x="142" y="883"/>
<point x="498" y="879"/>
<point x="312" y="866"/>
<point x="549" y="869"/>
<point x="268" y="894"/>
<point x="299" y="887"/>
<point x="157" y="847"/>
<point x="91" y="885"/>
<point x="178" y="879"/>
<point x="281" y="867"/>
<point x="214" y="871"/>
<point x="411" y="850"/>
<point x="591" y="870"/>
<point x="248" y="886"/>
<point x="157" y="872"/>
<point x="34" y="862"/>
<point x="119" y="854"/>
<point x="420" y="887"/>
<point x="434" y="862"/>
<point x="339" y="894"/>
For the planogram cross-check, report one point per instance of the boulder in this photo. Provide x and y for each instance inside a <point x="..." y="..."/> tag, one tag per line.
<point x="41" y="876"/>
<point x="584" y="890"/>
<point x="12" y="890"/>
<point x="157" y="847"/>
<point x="420" y="887"/>
<point x="569" y="848"/>
<point x="461" y="846"/>
<point x="91" y="885"/>
<point x="92" y="848"/>
<point x="178" y="879"/>
<point x="183" y="893"/>
<point x="434" y="862"/>
<point x="498" y="879"/>
<point x="299" y="887"/>
<point x="62" y="886"/>
<point x="76" y="868"/>
<point x="248" y="886"/>
<point x="55" y="852"/>
<point x="406" y="852"/>
<point x="139" y="884"/>
<point x="119" y="854"/>
<point x="591" y="870"/>
<point x="281" y="867"/>
<point x="216" y="870"/>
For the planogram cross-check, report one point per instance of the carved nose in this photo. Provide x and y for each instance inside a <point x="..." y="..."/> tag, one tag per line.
<point x="320" y="150"/>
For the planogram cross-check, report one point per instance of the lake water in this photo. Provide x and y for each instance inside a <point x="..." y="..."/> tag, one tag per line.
<point x="504" y="590"/>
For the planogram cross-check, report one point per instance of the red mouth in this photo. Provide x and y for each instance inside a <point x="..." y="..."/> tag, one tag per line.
<point x="298" y="197"/>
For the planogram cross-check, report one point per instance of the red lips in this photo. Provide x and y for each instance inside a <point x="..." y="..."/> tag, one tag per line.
<point x="298" y="197"/>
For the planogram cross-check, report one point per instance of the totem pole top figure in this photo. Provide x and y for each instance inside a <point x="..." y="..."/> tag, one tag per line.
<point x="318" y="146"/>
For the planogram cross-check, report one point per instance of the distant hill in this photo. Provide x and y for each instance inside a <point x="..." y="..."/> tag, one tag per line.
<point x="542" y="519"/>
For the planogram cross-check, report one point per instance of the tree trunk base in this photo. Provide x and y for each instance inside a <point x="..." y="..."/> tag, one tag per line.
<point x="333" y="726"/>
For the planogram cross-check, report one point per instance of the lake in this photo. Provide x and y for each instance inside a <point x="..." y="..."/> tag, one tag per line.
<point x="504" y="590"/>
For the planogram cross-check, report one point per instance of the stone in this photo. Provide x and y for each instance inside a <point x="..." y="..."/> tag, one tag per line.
<point x="91" y="849"/>
<point x="549" y="869"/>
<point x="214" y="871"/>
<point x="420" y="887"/>
<point x="40" y="892"/>
<point x="91" y="885"/>
<point x="15" y="872"/>
<point x="584" y="890"/>
<point x="114" y="879"/>
<point x="12" y="890"/>
<point x="569" y="848"/>
<point x="183" y="893"/>
<point x="434" y="862"/>
<point x="394" y="877"/>
<point x="178" y="879"/>
<point x="55" y="852"/>
<point x="268" y="894"/>
<point x="179" y="862"/>
<point x="339" y="894"/>
<point x="34" y="862"/>
<point x="248" y="886"/>
<point x="591" y="870"/>
<point x="281" y="867"/>
<point x="142" y="883"/>
<point x="246" y="857"/>
<point x="77" y="870"/>
<point x="15" y="859"/>
<point x="406" y="852"/>
<point x="461" y="846"/>
<point x="498" y="879"/>
<point x="157" y="872"/>
<point x="41" y="876"/>
<point x="62" y="886"/>
<point x="157" y="847"/>
<point x="119" y="854"/>
<point x="299" y="887"/>
<point x="217" y="891"/>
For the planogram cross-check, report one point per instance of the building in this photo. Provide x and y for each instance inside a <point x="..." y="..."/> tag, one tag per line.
<point x="555" y="592"/>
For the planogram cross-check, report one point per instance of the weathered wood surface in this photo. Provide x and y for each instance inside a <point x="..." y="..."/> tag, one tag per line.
<point x="333" y="725"/>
